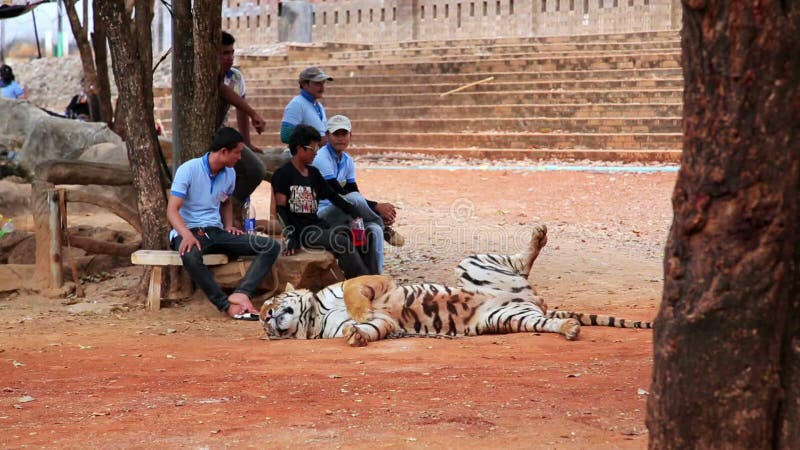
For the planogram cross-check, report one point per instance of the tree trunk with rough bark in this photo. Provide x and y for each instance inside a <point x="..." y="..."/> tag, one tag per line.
<point x="95" y="69"/>
<point x="195" y="68"/>
<point x="101" y="63"/>
<point x="726" y="370"/>
<point x="132" y="55"/>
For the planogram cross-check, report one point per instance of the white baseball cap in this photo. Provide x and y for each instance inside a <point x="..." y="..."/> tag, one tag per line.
<point x="339" y="122"/>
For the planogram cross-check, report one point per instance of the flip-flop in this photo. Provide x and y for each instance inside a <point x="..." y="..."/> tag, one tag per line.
<point x="245" y="316"/>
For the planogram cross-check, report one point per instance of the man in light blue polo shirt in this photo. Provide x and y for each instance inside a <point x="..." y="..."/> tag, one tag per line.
<point x="202" y="188"/>
<point x="339" y="170"/>
<point x="305" y="108"/>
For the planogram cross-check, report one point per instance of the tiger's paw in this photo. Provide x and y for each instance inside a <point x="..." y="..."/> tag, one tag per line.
<point x="570" y="329"/>
<point x="354" y="337"/>
<point x="538" y="237"/>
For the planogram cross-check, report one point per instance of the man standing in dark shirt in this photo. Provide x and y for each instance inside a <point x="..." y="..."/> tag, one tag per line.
<point x="298" y="187"/>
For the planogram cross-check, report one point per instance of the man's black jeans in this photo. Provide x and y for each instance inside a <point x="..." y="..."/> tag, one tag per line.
<point x="217" y="240"/>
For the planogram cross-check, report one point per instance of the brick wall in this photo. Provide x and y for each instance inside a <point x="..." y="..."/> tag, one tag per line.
<point x="375" y="21"/>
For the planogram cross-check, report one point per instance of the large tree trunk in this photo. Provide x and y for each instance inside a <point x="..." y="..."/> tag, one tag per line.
<point x="81" y="35"/>
<point x="101" y="63"/>
<point x="131" y="52"/>
<point x="195" y="68"/>
<point x="726" y="370"/>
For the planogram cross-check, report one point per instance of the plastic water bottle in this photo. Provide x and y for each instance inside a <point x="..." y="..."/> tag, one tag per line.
<point x="249" y="216"/>
<point x="358" y="232"/>
<point x="7" y="227"/>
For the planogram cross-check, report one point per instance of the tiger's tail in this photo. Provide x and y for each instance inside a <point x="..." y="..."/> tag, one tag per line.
<point x="598" y="319"/>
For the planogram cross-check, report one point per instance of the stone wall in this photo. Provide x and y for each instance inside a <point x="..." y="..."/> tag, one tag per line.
<point x="377" y="21"/>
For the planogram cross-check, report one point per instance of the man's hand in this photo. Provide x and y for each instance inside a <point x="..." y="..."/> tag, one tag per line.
<point x="255" y="149"/>
<point x="234" y="230"/>
<point x="289" y="247"/>
<point x="387" y="212"/>
<point x="187" y="243"/>
<point x="258" y="123"/>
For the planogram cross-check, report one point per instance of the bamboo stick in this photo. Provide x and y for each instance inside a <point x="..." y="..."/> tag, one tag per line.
<point x="466" y="86"/>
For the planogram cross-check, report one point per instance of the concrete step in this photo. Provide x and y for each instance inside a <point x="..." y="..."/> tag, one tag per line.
<point x="664" y="60"/>
<point x="502" y="125"/>
<point x="604" y="38"/>
<point x="357" y="78"/>
<point x="335" y="103"/>
<point x="663" y="155"/>
<point x="587" y="110"/>
<point x="288" y="78"/>
<point x="506" y="140"/>
<point x="504" y="49"/>
<point x="491" y="86"/>
<point x="521" y="124"/>
<point x="481" y="56"/>
<point x="442" y="55"/>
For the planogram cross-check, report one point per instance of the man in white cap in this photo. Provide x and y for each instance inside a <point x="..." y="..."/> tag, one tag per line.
<point x="339" y="170"/>
<point x="305" y="108"/>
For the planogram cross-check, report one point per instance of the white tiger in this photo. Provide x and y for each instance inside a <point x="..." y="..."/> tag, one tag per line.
<point x="494" y="295"/>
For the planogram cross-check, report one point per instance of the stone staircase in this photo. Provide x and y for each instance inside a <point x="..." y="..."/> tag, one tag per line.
<point x="606" y="97"/>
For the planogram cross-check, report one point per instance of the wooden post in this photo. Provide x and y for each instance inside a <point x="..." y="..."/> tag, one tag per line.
<point x="154" y="292"/>
<point x="39" y="212"/>
<point x="47" y="223"/>
<point x="54" y="222"/>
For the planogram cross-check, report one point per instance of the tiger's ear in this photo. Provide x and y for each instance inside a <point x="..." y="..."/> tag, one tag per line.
<point x="289" y="287"/>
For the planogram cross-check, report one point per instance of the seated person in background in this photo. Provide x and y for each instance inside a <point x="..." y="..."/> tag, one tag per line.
<point x="9" y="86"/>
<point x="305" y="108"/>
<point x="298" y="186"/>
<point x="339" y="170"/>
<point x="202" y="187"/>
<point x="250" y="171"/>
<point x="84" y="106"/>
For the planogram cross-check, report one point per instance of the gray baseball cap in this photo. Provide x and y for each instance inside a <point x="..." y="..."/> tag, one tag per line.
<point x="314" y="74"/>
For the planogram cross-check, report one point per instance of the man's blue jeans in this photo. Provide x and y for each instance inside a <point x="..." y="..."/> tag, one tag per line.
<point x="372" y="222"/>
<point x="217" y="240"/>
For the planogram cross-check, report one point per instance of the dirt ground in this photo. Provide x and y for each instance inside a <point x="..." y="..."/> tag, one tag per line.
<point x="101" y="372"/>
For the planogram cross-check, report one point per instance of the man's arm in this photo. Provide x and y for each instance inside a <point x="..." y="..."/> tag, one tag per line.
<point x="243" y="124"/>
<point x="227" y="217"/>
<point x="174" y="217"/>
<point x="230" y="96"/>
<point x="290" y="229"/>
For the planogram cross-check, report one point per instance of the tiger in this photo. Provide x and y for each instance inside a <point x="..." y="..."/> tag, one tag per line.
<point x="494" y="295"/>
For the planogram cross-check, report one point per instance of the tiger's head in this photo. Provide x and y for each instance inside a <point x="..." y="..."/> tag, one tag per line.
<point x="288" y="315"/>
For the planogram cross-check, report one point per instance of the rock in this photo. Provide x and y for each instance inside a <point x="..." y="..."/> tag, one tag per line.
<point x="90" y="308"/>
<point x="24" y="251"/>
<point x="14" y="198"/>
<point x="16" y="276"/>
<point x="18" y="119"/>
<point x="106" y="152"/>
<point x="9" y="242"/>
<point x="55" y="138"/>
<point x="306" y="269"/>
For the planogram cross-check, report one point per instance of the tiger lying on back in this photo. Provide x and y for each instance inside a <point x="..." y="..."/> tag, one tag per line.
<point x="494" y="296"/>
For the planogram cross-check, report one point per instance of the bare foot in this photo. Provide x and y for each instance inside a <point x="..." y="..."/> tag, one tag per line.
<point x="234" y="310"/>
<point x="242" y="300"/>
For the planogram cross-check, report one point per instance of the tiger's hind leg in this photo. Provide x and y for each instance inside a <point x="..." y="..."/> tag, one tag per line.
<point x="519" y="317"/>
<point x="361" y="334"/>
<point x="359" y="293"/>
<point x="538" y="241"/>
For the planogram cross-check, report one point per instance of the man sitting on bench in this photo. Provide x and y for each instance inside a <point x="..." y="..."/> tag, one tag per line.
<point x="201" y="186"/>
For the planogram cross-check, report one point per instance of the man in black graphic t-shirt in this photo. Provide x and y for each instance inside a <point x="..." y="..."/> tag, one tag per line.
<point x="298" y="188"/>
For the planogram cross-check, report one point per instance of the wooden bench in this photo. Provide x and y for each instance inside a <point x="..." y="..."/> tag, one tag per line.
<point x="160" y="258"/>
<point x="310" y="269"/>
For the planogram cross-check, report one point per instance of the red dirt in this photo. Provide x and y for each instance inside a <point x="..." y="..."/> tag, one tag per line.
<point x="187" y="377"/>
